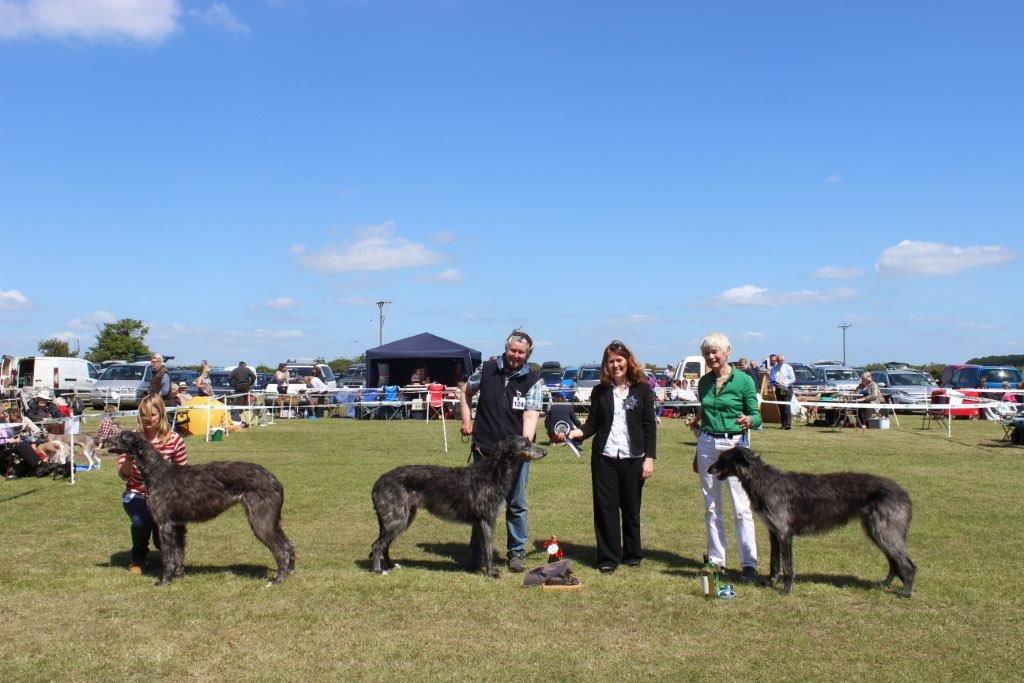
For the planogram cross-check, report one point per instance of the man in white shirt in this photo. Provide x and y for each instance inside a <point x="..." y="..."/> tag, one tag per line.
<point x="782" y="378"/>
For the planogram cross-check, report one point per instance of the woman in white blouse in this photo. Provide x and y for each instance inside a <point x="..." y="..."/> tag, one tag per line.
<point x="622" y="418"/>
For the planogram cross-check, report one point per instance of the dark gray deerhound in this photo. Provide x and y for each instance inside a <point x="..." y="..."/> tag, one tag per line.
<point x="179" y="494"/>
<point x="792" y="504"/>
<point x="471" y="495"/>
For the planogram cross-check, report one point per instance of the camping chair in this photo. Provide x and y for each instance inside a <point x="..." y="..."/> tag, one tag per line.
<point x="435" y="400"/>
<point x="940" y="415"/>
<point x="181" y="420"/>
<point x="392" y="408"/>
<point x="370" y="405"/>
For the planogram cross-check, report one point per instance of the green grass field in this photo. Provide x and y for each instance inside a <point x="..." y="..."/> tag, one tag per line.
<point x="70" y="610"/>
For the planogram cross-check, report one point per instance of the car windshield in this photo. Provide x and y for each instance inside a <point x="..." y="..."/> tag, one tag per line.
<point x="803" y="373"/>
<point x="354" y="372"/>
<point x="570" y="373"/>
<point x="589" y="374"/>
<point x="551" y="375"/>
<point x="220" y="380"/>
<point x="841" y="375"/>
<point x="125" y="372"/>
<point x="1001" y="375"/>
<point x="908" y="379"/>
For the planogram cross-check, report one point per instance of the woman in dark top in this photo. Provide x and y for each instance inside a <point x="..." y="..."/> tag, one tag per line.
<point x="621" y="419"/>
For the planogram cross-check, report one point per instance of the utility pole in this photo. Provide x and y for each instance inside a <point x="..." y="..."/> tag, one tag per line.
<point x="844" y="327"/>
<point x="381" y="305"/>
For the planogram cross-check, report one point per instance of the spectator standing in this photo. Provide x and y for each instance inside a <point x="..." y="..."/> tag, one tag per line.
<point x="171" y="447"/>
<point x="621" y="419"/>
<point x="728" y="408"/>
<point x="782" y="378"/>
<point x="281" y="380"/>
<point x="203" y="385"/>
<point x="242" y="378"/>
<point x="108" y="427"/>
<point x="160" y="382"/>
<point x="510" y="402"/>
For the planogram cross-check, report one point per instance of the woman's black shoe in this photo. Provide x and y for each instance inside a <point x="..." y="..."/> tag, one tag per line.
<point x="633" y="562"/>
<point x="607" y="568"/>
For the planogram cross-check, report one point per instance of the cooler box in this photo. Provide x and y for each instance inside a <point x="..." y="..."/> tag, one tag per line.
<point x="878" y="423"/>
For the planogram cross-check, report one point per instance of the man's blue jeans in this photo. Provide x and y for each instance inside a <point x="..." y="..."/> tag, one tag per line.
<point x="515" y="516"/>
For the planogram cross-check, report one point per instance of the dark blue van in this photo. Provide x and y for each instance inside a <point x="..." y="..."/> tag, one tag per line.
<point x="980" y="376"/>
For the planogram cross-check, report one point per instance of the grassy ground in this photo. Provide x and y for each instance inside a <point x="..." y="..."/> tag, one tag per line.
<point x="71" y="610"/>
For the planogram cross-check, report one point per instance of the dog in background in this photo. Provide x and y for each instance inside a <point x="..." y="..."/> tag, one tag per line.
<point x="179" y="494"/>
<point x="471" y="495"/>
<point x="792" y="504"/>
<point x="84" y="441"/>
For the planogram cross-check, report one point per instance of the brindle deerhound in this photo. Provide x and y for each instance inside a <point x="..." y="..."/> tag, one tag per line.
<point x="472" y="495"/>
<point x="792" y="504"/>
<point x="179" y="494"/>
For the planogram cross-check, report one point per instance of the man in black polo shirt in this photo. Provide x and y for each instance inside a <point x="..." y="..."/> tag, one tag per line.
<point x="509" y="405"/>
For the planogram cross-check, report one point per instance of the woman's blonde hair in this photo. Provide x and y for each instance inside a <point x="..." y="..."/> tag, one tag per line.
<point x="154" y="402"/>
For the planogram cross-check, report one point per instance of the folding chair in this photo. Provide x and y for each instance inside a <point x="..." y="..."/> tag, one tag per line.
<point x="392" y="408"/>
<point x="370" y="407"/>
<point x="435" y="400"/>
<point x="940" y="415"/>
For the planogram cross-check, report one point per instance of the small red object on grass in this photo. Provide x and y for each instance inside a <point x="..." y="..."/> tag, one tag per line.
<point x="554" y="549"/>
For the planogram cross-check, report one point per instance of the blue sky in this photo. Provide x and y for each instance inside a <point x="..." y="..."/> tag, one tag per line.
<point x="249" y="177"/>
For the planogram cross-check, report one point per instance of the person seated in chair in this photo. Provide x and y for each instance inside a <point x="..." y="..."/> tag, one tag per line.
<point x="420" y="376"/>
<point x="869" y="393"/>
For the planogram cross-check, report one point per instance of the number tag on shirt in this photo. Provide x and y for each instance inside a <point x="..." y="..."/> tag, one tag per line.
<point x="518" y="403"/>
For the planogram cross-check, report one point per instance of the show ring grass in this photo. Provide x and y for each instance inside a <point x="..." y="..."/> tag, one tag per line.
<point x="70" y="609"/>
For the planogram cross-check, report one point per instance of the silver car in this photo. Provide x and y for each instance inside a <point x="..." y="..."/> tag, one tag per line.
<point x="837" y="377"/>
<point x="123" y="385"/>
<point x="587" y="378"/>
<point x="906" y="387"/>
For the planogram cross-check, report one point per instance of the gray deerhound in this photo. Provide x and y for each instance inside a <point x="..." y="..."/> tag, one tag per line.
<point x="179" y="494"/>
<point x="792" y="504"/>
<point x="471" y="495"/>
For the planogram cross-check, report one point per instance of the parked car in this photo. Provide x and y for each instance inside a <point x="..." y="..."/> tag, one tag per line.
<point x="807" y="381"/>
<point x="354" y="377"/>
<point x="587" y="378"/>
<point x="906" y="387"/>
<point x="979" y="376"/>
<point x="552" y="377"/>
<point x="569" y="382"/>
<point x="663" y="379"/>
<point x="124" y="385"/>
<point x="297" y="372"/>
<point x="551" y="365"/>
<point x="690" y="367"/>
<point x="837" y="377"/>
<point x="62" y="375"/>
<point x="220" y="383"/>
<point x="179" y="375"/>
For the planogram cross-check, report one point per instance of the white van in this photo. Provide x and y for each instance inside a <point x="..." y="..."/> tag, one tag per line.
<point x="691" y="367"/>
<point x="62" y="375"/>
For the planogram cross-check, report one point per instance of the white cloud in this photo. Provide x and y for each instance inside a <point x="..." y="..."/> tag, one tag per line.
<point x="909" y="258"/>
<point x="543" y="344"/>
<point x="837" y="273"/>
<point x="273" y="334"/>
<point x="833" y="179"/>
<point x="219" y="16"/>
<point x="634" y="319"/>
<point x="12" y="299"/>
<point x="750" y="295"/>
<point x="147" y="21"/>
<point x="443" y="237"/>
<point x="376" y="248"/>
<point x="66" y="335"/>
<point x="446" y="277"/>
<point x="356" y="300"/>
<point x="752" y="335"/>
<point x="95" y="319"/>
<point x="280" y="303"/>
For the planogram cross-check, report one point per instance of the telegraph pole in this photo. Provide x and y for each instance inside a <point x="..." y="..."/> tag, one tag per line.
<point x="844" y="327"/>
<point x="380" y="306"/>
